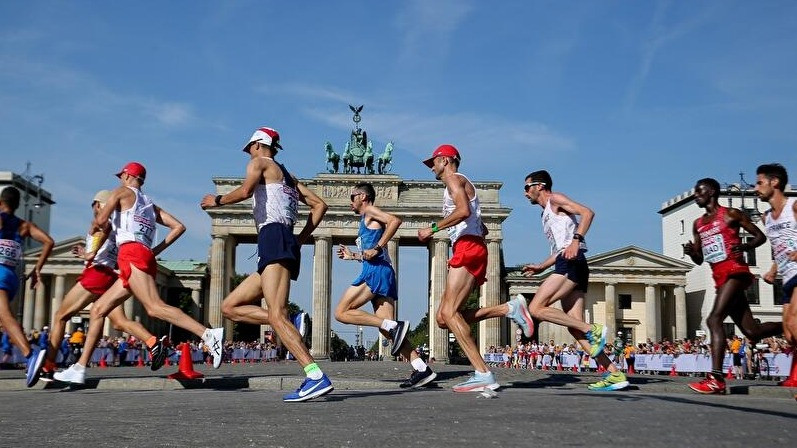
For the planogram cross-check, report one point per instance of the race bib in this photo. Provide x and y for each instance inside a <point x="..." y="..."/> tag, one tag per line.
<point x="780" y="252"/>
<point x="10" y="253"/>
<point x="714" y="249"/>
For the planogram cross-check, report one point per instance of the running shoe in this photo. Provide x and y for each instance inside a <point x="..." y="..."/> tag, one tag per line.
<point x="310" y="389"/>
<point x="419" y="379"/>
<point x="710" y="385"/>
<point x="597" y="339"/>
<point x="519" y="313"/>
<point x="610" y="381"/>
<point x="73" y="374"/>
<point x="214" y="339"/>
<point x="300" y="322"/>
<point x="158" y="354"/>
<point x="46" y="376"/>
<point x="35" y="361"/>
<point x="478" y="382"/>
<point x="397" y="335"/>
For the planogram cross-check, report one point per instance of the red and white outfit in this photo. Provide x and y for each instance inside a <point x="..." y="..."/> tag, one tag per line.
<point x="135" y="231"/>
<point x="716" y="240"/>
<point x="98" y="276"/>
<point x="467" y="238"/>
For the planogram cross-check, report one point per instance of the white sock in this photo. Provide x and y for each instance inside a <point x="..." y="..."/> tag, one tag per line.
<point x="388" y="324"/>
<point x="482" y="373"/>
<point x="418" y="364"/>
<point x="511" y="307"/>
<point x="78" y="367"/>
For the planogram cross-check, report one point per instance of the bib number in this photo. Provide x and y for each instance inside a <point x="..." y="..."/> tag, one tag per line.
<point x="714" y="249"/>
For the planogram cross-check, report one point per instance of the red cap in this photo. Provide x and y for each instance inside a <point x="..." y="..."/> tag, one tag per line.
<point x="134" y="169"/>
<point x="442" y="151"/>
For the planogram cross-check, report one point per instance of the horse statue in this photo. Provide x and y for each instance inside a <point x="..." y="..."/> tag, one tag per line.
<point x="332" y="158"/>
<point x="355" y="154"/>
<point x="369" y="158"/>
<point x="347" y="158"/>
<point x="385" y="160"/>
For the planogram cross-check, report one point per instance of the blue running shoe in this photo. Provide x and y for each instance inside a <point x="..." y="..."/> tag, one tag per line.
<point x="300" y="322"/>
<point x="597" y="339"/>
<point x="35" y="362"/>
<point x="478" y="382"/>
<point x="519" y="313"/>
<point x="310" y="389"/>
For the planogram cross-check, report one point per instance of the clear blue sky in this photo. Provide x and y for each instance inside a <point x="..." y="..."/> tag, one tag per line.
<point x="626" y="103"/>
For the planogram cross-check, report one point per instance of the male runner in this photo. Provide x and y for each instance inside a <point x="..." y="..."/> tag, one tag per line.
<point x="98" y="276"/>
<point x="716" y="241"/>
<point x="133" y="219"/>
<point x="12" y="232"/>
<point x="275" y="208"/>
<point x="780" y="223"/>
<point x="377" y="282"/>
<point x="467" y="266"/>
<point x="568" y="283"/>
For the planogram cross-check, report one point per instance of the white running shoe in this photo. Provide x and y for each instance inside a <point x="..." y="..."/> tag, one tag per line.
<point x="214" y="339"/>
<point x="73" y="375"/>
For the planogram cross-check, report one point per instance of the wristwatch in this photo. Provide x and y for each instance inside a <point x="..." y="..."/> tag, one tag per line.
<point x="578" y="236"/>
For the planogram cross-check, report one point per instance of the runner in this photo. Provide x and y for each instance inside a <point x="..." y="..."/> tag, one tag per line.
<point x="98" y="276"/>
<point x="377" y="282"/>
<point x="565" y="222"/>
<point x="716" y="241"/>
<point x="13" y="230"/>
<point x="275" y="208"/>
<point x="780" y="223"/>
<point x="133" y="219"/>
<point x="467" y="266"/>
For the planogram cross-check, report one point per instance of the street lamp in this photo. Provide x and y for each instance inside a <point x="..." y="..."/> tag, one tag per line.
<point x="744" y="188"/>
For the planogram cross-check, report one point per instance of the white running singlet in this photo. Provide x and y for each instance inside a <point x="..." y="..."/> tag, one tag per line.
<point x="472" y="225"/>
<point x="136" y="223"/>
<point x="106" y="255"/>
<point x="782" y="234"/>
<point x="276" y="202"/>
<point x="559" y="229"/>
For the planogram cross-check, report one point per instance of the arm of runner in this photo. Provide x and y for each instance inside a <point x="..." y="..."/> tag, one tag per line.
<point x="104" y="215"/>
<point x="345" y="254"/>
<point x="561" y="202"/>
<point x="176" y="228"/>
<point x="254" y="173"/>
<point x="746" y="224"/>
<point x="531" y="269"/>
<point x="32" y="230"/>
<point x="690" y="247"/>
<point x="461" y="209"/>
<point x="317" y="210"/>
<point x="98" y="239"/>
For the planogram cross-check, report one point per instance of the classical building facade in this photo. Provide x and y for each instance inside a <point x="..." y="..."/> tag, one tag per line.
<point x="677" y="216"/>
<point x="632" y="290"/>
<point x="419" y="203"/>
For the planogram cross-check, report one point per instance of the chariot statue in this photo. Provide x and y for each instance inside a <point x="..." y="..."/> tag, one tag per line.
<point x="358" y="153"/>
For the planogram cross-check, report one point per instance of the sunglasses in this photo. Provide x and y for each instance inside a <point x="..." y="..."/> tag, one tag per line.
<point x="531" y="184"/>
<point x="354" y="196"/>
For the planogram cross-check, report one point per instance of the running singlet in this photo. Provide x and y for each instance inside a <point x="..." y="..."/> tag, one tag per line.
<point x="717" y="239"/>
<point x="559" y="230"/>
<point x="136" y="223"/>
<point x="472" y="225"/>
<point x="782" y="234"/>
<point x="367" y="239"/>
<point x="10" y="240"/>
<point x="276" y="202"/>
<point x="106" y="255"/>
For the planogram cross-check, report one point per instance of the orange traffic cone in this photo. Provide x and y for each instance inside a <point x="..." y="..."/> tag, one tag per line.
<point x="544" y="366"/>
<point x="630" y="369"/>
<point x="575" y="367"/>
<point x="103" y="364"/>
<point x="729" y="375"/>
<point x="791" y="381"/>
<point x="672" y="371"/>
<point x="166" y="362"/>
<point x="186" y="366"/>
<point x="601" y="369"/>
<point x="140" y="359"/>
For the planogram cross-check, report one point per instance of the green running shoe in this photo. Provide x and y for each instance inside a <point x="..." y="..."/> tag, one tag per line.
<point x="610" y="381"/>
<point x="597" y="339"/>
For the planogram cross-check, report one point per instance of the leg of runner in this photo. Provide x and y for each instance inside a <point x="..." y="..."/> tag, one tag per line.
<point x="35" y="358"/>
<point x="238" y="307"/>
<point x="75" y="300"/>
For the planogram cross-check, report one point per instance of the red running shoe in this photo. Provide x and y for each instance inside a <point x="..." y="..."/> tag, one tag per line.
<point x="710" y="385"/>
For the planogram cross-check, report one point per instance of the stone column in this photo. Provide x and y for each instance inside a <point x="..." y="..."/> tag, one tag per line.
<point x="680" y="312"/>
<point x="128" y="307"/>
<point x="229" y="269"/>
<point x="393" y="253"/>
<point x="196" y="297"/>
<point x="490" y="329"/>
<point x="438" y="265"/>
<point x="40" y="308"/>
<point x="30" y="300"/>
<point x="218" y="279"/>
<point x="322" y="273"/>
<point x="651" y="313"/>
<point x="58" y="295"/>
<point x="611" y="306"/>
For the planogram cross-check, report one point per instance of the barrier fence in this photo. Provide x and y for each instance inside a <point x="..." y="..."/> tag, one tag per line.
<point x="132" y="356"/>
<point x="779" y="363"/>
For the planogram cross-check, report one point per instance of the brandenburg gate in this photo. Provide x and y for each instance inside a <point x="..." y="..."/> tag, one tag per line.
<point x="417" y="203"/>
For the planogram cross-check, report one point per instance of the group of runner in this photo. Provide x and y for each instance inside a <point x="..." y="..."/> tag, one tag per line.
<point x="120" y="237"/>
